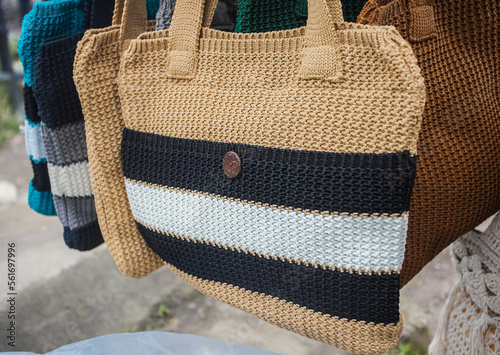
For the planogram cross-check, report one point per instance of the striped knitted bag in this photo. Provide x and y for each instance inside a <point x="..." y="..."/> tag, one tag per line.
<point x="63" y="131"/>
<point x="47" y="19"/>
<point x="96" y="66"/>
<point x="277" y="15"/>
<point x="273" y="171"/>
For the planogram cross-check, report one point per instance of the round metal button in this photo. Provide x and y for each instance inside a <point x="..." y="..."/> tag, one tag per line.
<point x="231" y="164"/>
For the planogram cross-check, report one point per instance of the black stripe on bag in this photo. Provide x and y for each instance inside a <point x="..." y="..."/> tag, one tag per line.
<point x="54" y="88"/>
<point x="361" y="297"/>
<point x="84" y="238"/>
<point x="334" y="182"/>
<point x="41" y="181"/>
<point x="30" y="106"/>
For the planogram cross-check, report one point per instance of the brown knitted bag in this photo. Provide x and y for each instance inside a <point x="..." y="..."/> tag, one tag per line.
<point x="457" y="44"/>
<point x="95" y="72"/>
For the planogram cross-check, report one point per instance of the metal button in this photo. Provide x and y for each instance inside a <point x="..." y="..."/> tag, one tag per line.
<point x="231" y="164"/>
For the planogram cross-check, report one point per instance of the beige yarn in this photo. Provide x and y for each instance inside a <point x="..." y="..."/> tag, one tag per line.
<point x="95" y="71"/>
<point x="96" y="67"/>
<point x="252" y="88"/>
<point x="470" y="323"/>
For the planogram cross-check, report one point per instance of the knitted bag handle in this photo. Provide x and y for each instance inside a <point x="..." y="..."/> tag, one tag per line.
<point x="421" y="21"/>
<point x="131" y="15"/>
<point x="321" y="59"/>
<point x="118" y="12"/>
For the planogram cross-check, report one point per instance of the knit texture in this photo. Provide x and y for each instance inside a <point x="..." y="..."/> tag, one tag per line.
<point x="470" y="323"/>
<point x="316" y="220"/>
<point x="277" y="15"/>
<point x="224" y="17"/>
<point x="64" y="139"/>
<point x="47" y="19"/>
<point x="96" y="68"/>
<point x="270" y="15"/>
<point x="458" y="179"/>
<point x="164" y="14"/>
<point x="63" y="131"/>
<point x="152" y="8"/>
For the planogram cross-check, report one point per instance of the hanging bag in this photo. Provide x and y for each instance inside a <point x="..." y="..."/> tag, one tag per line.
<point x="47" y="19"/>
<point x="63" y="131"/>
<point x="96" y="67"/>
<point x="457" y="45"/>
<point x="274" y="171"/>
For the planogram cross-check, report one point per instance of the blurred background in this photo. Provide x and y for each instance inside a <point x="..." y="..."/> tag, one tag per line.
<point x="65" y="296"/>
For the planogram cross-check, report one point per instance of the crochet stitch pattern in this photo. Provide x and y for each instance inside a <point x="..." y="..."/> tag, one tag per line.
<point x="63" y="131"/>
<point x="95" y="72"/>
<point x="47" y="19"/>
<point x="312" y="230"/>
<point x="470" y="322"/>
<point x="457" y="44"/>
<point x="277" y="15"/>
<point x="224" y="17"/>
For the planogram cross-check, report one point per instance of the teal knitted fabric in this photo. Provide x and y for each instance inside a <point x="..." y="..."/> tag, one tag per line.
<point x="352" y="8"/>
<point x="270" y="15"/>
<point x="152" y="7"/>
<point x="47" y="19"/>
<point x="277" y="15"/>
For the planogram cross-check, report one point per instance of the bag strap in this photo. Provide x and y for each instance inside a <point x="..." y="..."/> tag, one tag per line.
<point x="118" y="12"/>
<point x="422" y="20"/>
<point x="131" y="15"/>
<point x="134" y="18"/>
<point x="321" y="58"/>
<point x="184" y="37"/>
<point x="420" y="15"/>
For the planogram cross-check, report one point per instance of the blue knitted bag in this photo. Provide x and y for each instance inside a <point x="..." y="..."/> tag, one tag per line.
<point x="63" y="130"/>
<point x="47" y="19"/>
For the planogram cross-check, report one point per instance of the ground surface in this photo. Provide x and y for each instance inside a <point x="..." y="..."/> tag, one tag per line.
<point x="66" y="296"/>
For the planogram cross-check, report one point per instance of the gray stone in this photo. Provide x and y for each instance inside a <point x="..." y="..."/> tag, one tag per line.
<point x="8" y="194"/>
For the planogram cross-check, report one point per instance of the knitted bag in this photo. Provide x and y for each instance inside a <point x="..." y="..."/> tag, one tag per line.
<point x="273" y="171"/>
<point x="95" y="70"/>
<point x="63" y="131"/>
<point x="277" y="15"/>
<point x="470" y="321"/>
<point x="47" y="19"/>
<point x="458" y="181"/>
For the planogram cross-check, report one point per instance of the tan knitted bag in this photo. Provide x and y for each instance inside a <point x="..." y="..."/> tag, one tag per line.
<point x="96" y="68"/>
<point x="273" y="171"/>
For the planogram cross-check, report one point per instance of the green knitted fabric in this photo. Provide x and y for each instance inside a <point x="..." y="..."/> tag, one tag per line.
<point x="277" y="15"/>
<point x="352" y="9"/>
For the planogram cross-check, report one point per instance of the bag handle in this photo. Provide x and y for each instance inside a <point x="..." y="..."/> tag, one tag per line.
<point x="321" y="58"/>
<point x="421" y="16"/>
<point x="131" y="15"/>
<point x="118" y="13"/>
